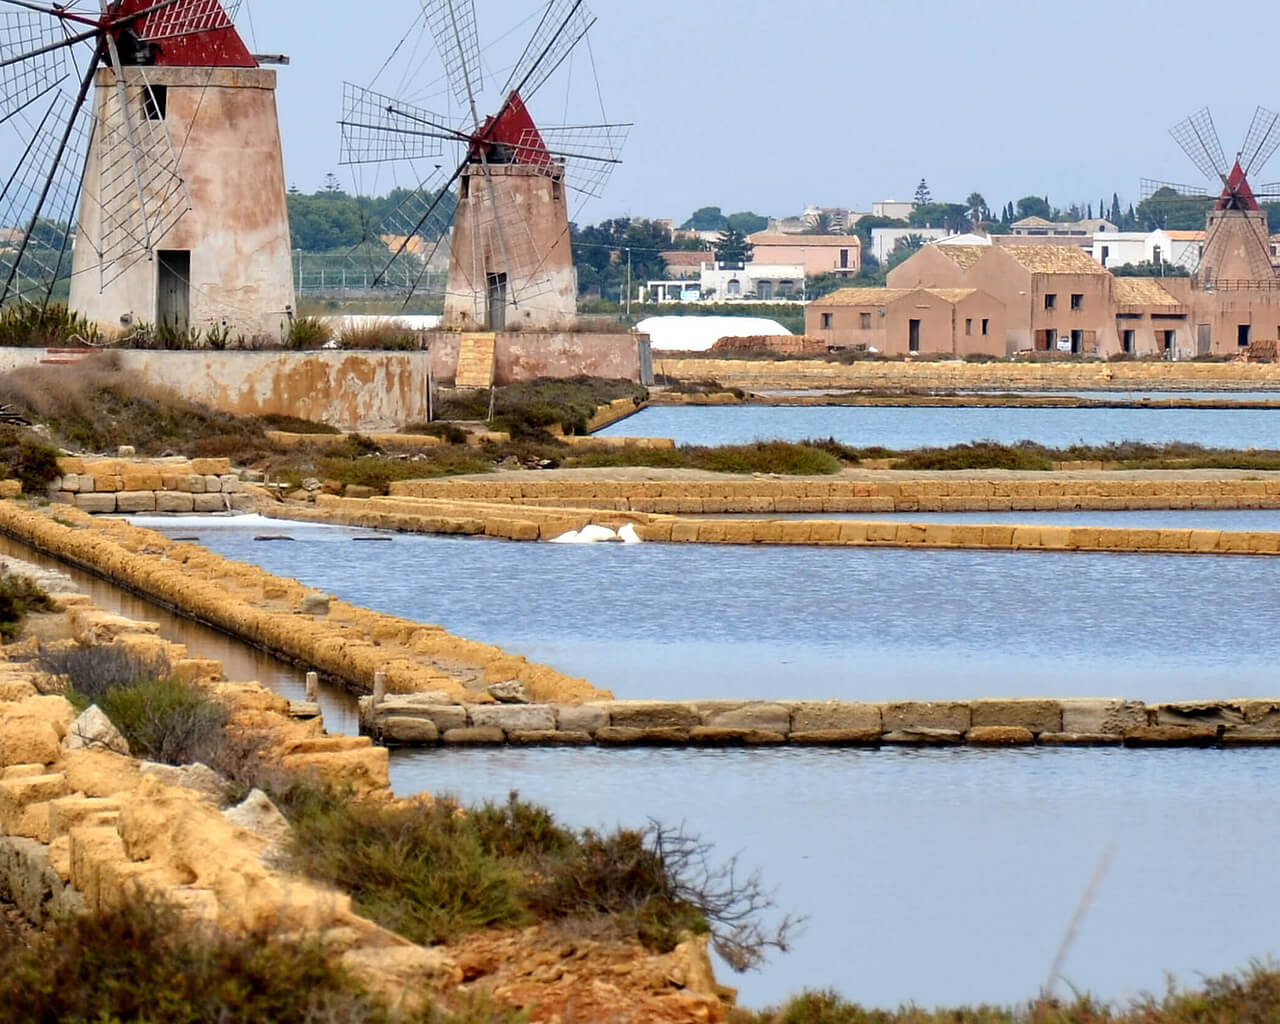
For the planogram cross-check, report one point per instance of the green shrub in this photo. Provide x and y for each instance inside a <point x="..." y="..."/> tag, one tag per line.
<point x="296" y="425"/>
<point x="20" y="596"/>
<point x="308" y="332"/>
<point x="446" y="431"/>
<point x="30" y="326"/>
<point x="980" y="455"/>
<point x="25" y="457"/>
<point x="166" y="720"/>
<point x="389" y="335"/>
<point x="778" y="457"/>
<point x="90" y="672"/>
<point x="353" y="446"/>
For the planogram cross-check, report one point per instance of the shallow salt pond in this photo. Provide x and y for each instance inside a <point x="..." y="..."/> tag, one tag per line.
<point x="918" y="427"/>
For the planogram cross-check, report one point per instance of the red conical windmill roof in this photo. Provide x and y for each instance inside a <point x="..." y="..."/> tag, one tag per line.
<point x="189" y="34"/>
<point x="1236" y="194"/>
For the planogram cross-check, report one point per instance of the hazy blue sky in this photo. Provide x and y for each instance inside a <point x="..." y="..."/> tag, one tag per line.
<point x="770" y="106"/>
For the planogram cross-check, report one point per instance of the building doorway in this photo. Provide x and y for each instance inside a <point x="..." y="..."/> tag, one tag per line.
<point x="913" y="336"/>
<point x="1168" y="342"/>
<point x="173" y="289"/>
<point x="1204" y="339"/>
<point x="497" y="295"/>
<point x="1242" y="336"/>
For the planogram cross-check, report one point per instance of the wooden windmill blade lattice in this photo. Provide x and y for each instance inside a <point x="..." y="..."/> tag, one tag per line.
<point x="50" y="59"/>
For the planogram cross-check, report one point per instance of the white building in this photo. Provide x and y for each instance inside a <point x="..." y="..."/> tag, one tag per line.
<point x="732" y="282"/>
<point x="1118" y="248"/>
<point x="894" y="208"/>
<point x="885" y="240"/>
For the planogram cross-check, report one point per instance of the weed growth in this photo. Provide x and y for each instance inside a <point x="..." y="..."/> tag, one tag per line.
<point x="20" y="596"/>
<point x="23" y="456"/>
<point x="308" y="332"/>
<point x="776" y="457"/>
<point x="445" y="431"/>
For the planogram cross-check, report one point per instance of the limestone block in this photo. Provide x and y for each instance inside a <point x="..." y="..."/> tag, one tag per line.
<point x="136" y="501"/>
<point x="549" y="738"/>
<point x="1262" y="713"/>
<point x="925" y="737"/>
<point x="916" y="715"/>
<point x="631" y="736"/>
<point x="586" y="718"/>
<point x="135" y="479"/>
<point x="760" y="716"/>
<point x="1036" y="715"/>
<point x="243" y="502"/>
<point x="834" y="715"/>
<point x="363" y="769"/>
<point x="29" y="880"/>
<point x="106" y="484"/>
<point x="1168" y="736"/>
<point x="25" y="739"/>
<point x="488" y="736"/>
<point x="92" y="848"/>
<point x="212" y="484"/>
<point x="513" y="717"/>
<point x="202" y="780"/>
<point x="442" y="716"/>
<point x="836" y="737"/>
<point x="211" y="467"/>
<point x="68" y="482"/>
<point x="1219" y="713"/>
<point x="999" y="736"/>
<point x="194" y="484"/>
<point x="70" y="812"/>
<point x="208" y="503"/>
<point x="70" y="464"/>
<point x="96" y="504"/>
<point x="63" y="498"/>
<point x="230" y="484"/>
<point x="1081" y="739"/>
<point x="653" y="714"/>
<point x="716" y="736"/>
<point x="16" y="795"/>
<point x="357" y="491"/>
<point x="1090" y="715"/>
<point x="394" y="729"/>
<point x="94" y="729"/>
<point x="175" y="501"/>
<point x="257" y="814"/>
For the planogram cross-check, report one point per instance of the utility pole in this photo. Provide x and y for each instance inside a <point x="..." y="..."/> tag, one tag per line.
<point x="628" y="283"/>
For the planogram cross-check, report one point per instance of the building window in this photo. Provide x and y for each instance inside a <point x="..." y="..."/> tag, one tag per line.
<point x="1077" y="342"/>
<point x="1077" y="301"/>
<point x="1126" y="341"/>
<point x="1106" y="254"/>
<point x="986" y="327"/>
<point x="864" y="321"/>
<point x="155" y="102"/>
<point x="735" y="286"/>
<point x="968" y="325"/>
<point x="826" y="321"/>
<point x="1050" y="301"/>
<point x="844" y="259"/>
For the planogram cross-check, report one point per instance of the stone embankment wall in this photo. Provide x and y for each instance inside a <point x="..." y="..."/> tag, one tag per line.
<point x="344" y="642"/>
<point x="150" y="485"/>
<point x="525" y="523"/>
<point x="1067" y="376"/>
<point x="1065" y="722"/>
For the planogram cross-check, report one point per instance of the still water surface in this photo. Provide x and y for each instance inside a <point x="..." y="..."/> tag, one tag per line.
<point x="950" y="875"/>
<point x="682" y="621"/>
<point x="929" y="876"/>
<point x="917" y="427"/>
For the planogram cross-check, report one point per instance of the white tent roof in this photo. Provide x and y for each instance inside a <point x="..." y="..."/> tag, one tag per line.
<point x="699" y="333"/>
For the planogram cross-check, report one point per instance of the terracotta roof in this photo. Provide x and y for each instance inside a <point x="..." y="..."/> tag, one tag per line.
<point x="883" y="296"/>
<point x="963" y="256"/>
<point x="1141" y="291"/>
<point x="1054" y="259"/>
<point x="687" y="257"/>
<point x="1186" y="236"/>
<point x="836" y="241"/>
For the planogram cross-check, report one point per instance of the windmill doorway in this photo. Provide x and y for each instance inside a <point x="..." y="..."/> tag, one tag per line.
<point x="497" y="295"/>
<point x="173" y="289"/>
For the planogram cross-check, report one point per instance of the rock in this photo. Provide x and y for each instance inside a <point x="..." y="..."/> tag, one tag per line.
<point x="926" y="715"/>
<point x="759" y="716"/>
<point x="136" y="501"/>
<point x="1034" y="715"/>
<point x="633" y="736"/>
<point x="549" y="738"/>
<point x="208" y="503"/>
<point x="358" y="491"/>
<point x="126" y="451"/>
<point x="299" y="495"/>
<point x="581" y="718"/>
<point x="1081" y="739"/>
<point x="333" y="487"/>
<point x="29" y="880"/>
<point x="253" y="476"/>
<point x="509" y="692"/>
<point x="509" y="718"/>
<point x="403" y="974"/>
<point x="175" y="501"/>
<point x="259" y="815"/>
<point x="395" y="729"/>
<point x="1171" y="736"/>
<point x="96" y="504"/>
<point x="833" y="715"/>
<point x="1086" y="715"/>
<point x="718" y="736"/>
<point x="311" y="484"/>
<point x="475" y="737"/>
<point x="924" y="737"/>
<point x="999" y="736"/>
<point x="837" y="737"/>
<point x="653" y="714"/>
<point x="27" y="740"/>
<point x="1251" y="736"/>
<point x="203" y="780"/>
<point x="1198" y="713"/>
<point x="94" y="729"/>
<point x="315" y="604"/>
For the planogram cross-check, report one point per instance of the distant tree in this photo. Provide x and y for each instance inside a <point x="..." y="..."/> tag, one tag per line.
<point x="1074" y="213"/>
<point x="904" y="249"/>
<point x="332" y="186"/>
<point x="866" y="225"/>
<point x="923" y="195"/>
<point x="1145" y="269"/>
<point x="1273" y="217"/>
<point x="1006" y="214"/>
<point x="1169" y="209"/>
<point x="824" y="284"/>
<point x="732" y="247"/>
<point x="708" y="218"/>
<point x="819" y="223"/>
<point x="746" y="222"/>
<point x="978" y="211"/>
<point x="1116" y="217"/>
<point x="1033" y="206"/>
<point x="950" y="216"/>
<point x="1089" y="212"/>
<point x="600" y="253"/>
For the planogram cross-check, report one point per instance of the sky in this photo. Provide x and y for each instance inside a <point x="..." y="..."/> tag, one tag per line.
<point x="747" y="104"/>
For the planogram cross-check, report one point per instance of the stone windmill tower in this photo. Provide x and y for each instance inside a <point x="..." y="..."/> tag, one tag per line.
<point x="152" y="125"/>
<point x="1236" y="252"/>
<point x="502" y="209"/>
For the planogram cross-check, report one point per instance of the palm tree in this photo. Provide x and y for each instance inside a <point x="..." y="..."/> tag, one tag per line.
<point x="979" y="212"/>
<point x="819" y="223"/>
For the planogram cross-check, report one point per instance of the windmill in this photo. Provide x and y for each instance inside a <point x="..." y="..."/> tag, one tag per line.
<point x="501" y="210"/>
<point x="123" y="199"/>
<point x="1236" y="251"/>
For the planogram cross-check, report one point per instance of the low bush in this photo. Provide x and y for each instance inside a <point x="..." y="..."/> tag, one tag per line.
<point x="31" y="326"/>
<point x="25" y="457"/>
<point x="380" y="472"/>
<point x="776" y="457"/>
<point x="20" y="596"/>
<point x="308" y="332"/>
<point x="445" y="431"/>
<point x="296" y="425"/>
<point x="387" y="335"/>
<point x="166" y="720"/>
<point x="353" y="446"/>
<point x="527" y="409"/>
<point x="980" y="455"/>
<point x="433" y="872"/>
<point x="147" y="962"/>
<point x="90" y="672"/>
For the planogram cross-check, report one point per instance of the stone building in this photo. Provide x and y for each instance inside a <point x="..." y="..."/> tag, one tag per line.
<point x="901" y="321"/>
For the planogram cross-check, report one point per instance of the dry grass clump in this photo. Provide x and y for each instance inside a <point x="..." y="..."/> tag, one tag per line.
<point x="388" y="335"/>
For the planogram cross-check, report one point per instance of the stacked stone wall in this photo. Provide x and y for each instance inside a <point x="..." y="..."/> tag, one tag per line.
<point x="127" y="485"/>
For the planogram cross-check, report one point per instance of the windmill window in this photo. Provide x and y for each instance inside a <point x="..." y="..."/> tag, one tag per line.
<point x="155" y="102"/>
<point x="556" y="189"/>
<point x="1077" y="301"/>
<point x="465" y="188"/>
<point x="864" y="321"/>
<point x="1050" y="301"/>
